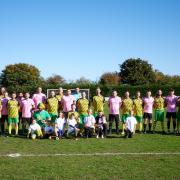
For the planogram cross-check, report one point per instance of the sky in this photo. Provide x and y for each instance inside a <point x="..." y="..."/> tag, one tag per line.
<point x="75" y="38"/>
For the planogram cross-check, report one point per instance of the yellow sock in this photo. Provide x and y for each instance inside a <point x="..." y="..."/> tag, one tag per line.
<point x="10" y="128"/>
<point x="123" y="127"/>
<point x="140" y="126"/>
<point x="16" y="128"/>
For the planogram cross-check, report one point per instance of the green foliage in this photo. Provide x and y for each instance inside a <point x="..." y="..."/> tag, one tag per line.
<point x="55" y="80"/>
<point x="136" y="72"/>
<point x="110" y="78"/>
<point x="21" y="77"/>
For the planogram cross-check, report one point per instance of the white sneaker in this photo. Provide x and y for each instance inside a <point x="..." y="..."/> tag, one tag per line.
<point x="97" y="137"/>
<point x="122" y="133"/>
<point x="102" y="137"/>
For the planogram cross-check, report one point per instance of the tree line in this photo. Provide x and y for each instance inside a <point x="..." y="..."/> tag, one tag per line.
<point x="133" y="74"/>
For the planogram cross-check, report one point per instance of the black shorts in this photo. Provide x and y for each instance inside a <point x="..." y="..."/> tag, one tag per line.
<point x="4" y="118"/>
<point x="113" y="117"/>
<point x="26" y="120"/>
<point x="147" y="116"/>
<point x="171" y="115"/>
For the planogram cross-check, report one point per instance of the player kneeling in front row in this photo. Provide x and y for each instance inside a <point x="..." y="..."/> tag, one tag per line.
<point x="130" y="125"/>
<point x="34" y="130"/>
<point x="48" y="130"/>
<point x="59" y="126"/>
<point x="89" y="124"/>
<point x="101" y="125"/>
<point x="72" y="126"/>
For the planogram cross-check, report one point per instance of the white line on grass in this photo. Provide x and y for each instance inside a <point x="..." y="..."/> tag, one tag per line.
<point x="16" y="155"/>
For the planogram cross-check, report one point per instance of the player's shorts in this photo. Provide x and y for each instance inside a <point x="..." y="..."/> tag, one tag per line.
<point x="178" y="116"/>
<point x="4" y="118"/>
<point x="26" y="120"/>
<point x="159" y="115"/>
<point x="13" y="120"/>
<point x="139" y="119"/>
<point x="171" y="115"/>
<point x="124" y="117"/>
<point x="147" y="116"/>
<point x="113" y="117"/>
<point x="53" y="117"/>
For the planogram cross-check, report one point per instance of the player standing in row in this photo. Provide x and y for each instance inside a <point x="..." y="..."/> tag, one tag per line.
<point x="4" y="112"/>
<point x="114" y="104"/>
<point x="98" y="102"/>
<point x="138" y="110"/>
<point x="148" y="111"/>
<point x="67" y="100"/>
<point x="27" y="106"/>
<point x="159" y="110"/>
<point x="171" y="102"/>
<point x="59" y="96"/>
<point x="13" y="113"/>
<point x="126" y="107"/>
<point x="39" y="97"/>
<point x="178" y="116"/>
<point x="77" y="95"/>
<point x="20" y="98"/>
<point x="52" y="106"/>
<point x="83" y="106"/>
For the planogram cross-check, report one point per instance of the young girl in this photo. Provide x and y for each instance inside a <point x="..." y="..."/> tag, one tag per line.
<point x="72" y="126"/>
<point x="101" y="125"/>
<point x="59" y="126"/>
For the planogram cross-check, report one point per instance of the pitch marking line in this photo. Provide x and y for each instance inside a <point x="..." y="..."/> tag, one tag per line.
<point x="16" y="155"/>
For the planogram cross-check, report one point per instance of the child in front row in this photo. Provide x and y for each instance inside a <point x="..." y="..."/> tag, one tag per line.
<point x="72" y="126"/>
<point x="59" y="126"/>
<point x="101" y="125"/>
<point x="48" y="130"/>
<point x="34" y="130"/>
<point x="130" y="125"/>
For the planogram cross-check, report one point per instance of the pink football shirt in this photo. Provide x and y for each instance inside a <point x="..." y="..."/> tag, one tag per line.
<point x="67" y="101"/>
<point x="114" y="104"/>
<point x="171" y="103"/>
<point x="148" y="104"/>
<point x="38" y="98"/>
<point x="26" y="106"/>
<point x="4" y="106"/>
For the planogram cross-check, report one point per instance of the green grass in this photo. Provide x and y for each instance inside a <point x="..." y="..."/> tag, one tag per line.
<point x="92" y="167"/>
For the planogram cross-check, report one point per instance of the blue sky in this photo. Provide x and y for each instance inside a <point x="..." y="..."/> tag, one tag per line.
<point x="77" y="38"/>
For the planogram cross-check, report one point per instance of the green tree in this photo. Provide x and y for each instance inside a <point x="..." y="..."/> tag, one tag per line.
<point x="21" y="77"/>
<point x="55" y="80"/>
<point x="83" y="80"/>
<point x="110" y="78"/>
<point x="136" y="72"/>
